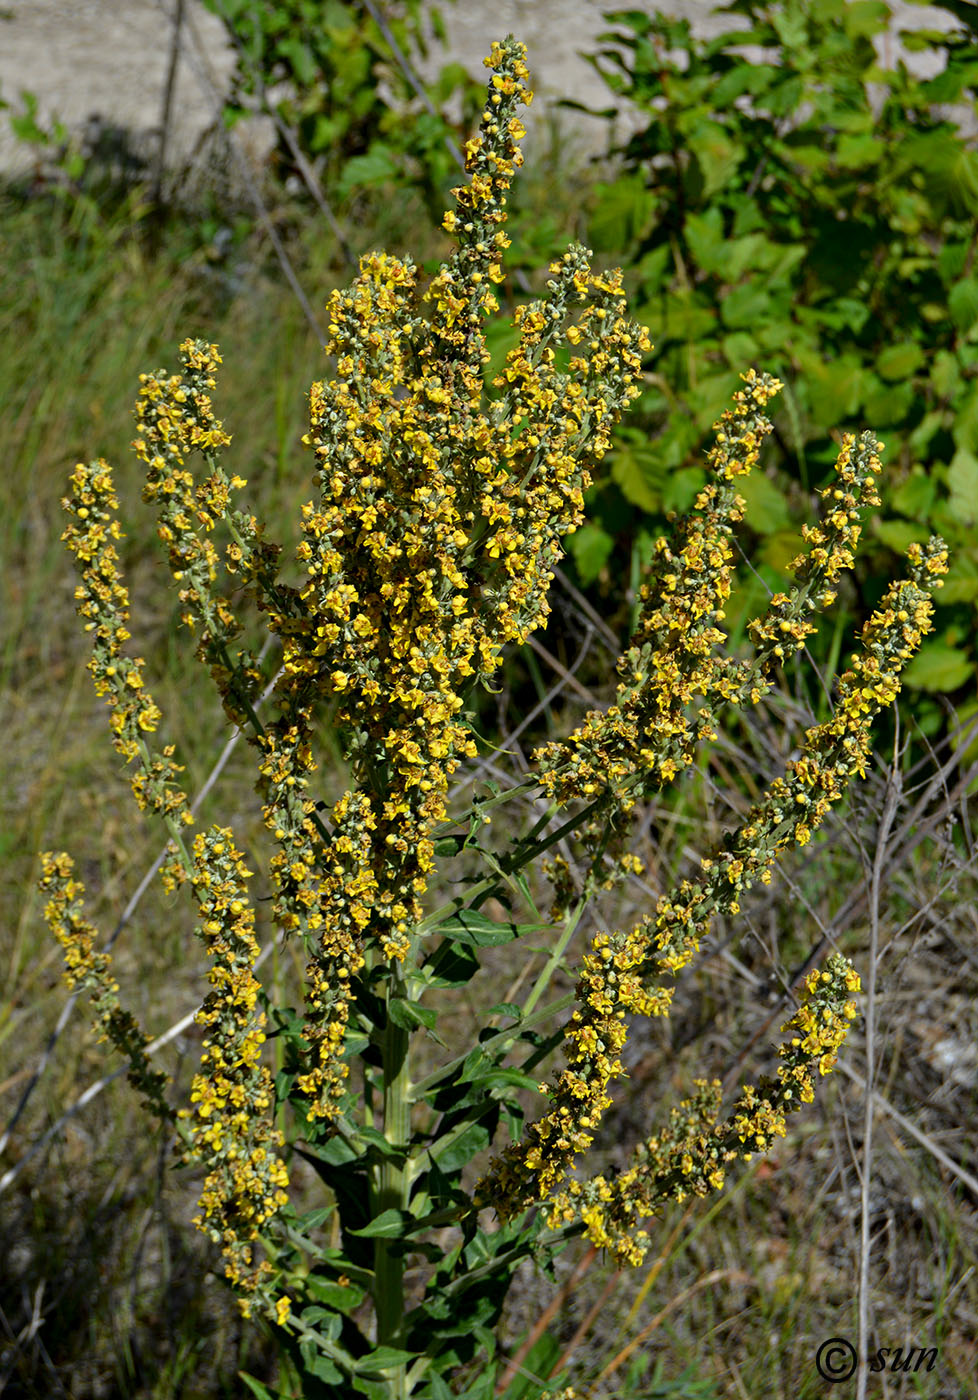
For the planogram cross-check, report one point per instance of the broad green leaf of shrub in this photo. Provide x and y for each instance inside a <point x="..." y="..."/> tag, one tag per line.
<point x="746" y="305"/>
<point x="373" y="168"/>
<point x="938" y="667"/>
<point x="945" y="374"/>
<point x="590" y="547"/>
<point x="966" y="421"/>
<point x="914" y="496"/>
<point x="961" y="580"/>
<point x="638" y="468"/>
<point x="767" y="508"/>
<point x="834" y="388"/>
<point x="899" y="534"/>
<point x="704" y="234"/>
<point x="963" y="304"/>
<point x="652" y="269"/>
<point x="716" y="155"/>
<point x="855" y="152"/>
<point x="682" y="487"/>
<point x="962" y="480"/>
<point x="920" y="439"/>
<point x="884" y="405"/>
<point x="778" y="550"/>
<point x="740" y="348"/>
<point x="622" y="213"/>
<point x="899" y="361"/>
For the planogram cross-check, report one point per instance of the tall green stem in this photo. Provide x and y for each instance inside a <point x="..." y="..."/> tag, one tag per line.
<point x="392" y="1184"/>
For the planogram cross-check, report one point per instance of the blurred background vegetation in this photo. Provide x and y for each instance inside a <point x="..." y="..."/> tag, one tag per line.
<point x="765" y="214"/>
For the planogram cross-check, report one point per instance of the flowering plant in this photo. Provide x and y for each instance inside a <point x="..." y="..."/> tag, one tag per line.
<point x="431" y="546"/>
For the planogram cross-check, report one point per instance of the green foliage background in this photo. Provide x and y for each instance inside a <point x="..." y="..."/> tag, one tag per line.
<point x="767" y="216"/>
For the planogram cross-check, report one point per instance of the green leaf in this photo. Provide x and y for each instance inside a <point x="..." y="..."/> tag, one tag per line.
<point x="478" y="931"/>
<point x="260" y="1390"/>
<point x="938" y="667"/>
<point x="767" y="508"/>
<point x="865" y="17"/>
<point x="961" y="579"/>
<point x="856" y="151"/>
<point x="374" y="168"/>
<point x="452" y="965"/>
<point x="752" y="251"/>
<point x="788" y="260"/>
<point x="716" y="153"/>
<point x="383" y="1357"/>
<point x="779" y="549"/>
<point x="899" y="361"/>
<point x="408" y="1014"/>
<point x="835" y="387"/>
<point x="683" y="318"/>
<point x="312" y="1219"/>
<point x="704" y="234"/>
<point x="590" y="547"/>
<point x="462" y="1149"/>
<point x="963" y="303"/>
<point x="376" y="1139"/>
<point x="642" y="476"/>
<point x="341" y="1299"/>
<point x="962" y="479"/>
<point x="966" y="422"/>
<point x="743" y="307"/>
<point x="945" y="374"/>
<point x="682" y="489"/>
<point x="389" y="1225"/>
<point x="652" y="269"/>
<point x="915" y="497"/>
<point x="740" y="348"/>
<point x="450" y="845"/>
<point x="885" y="404"/>
<point x="623" y="211"/>
<point x="898" y="534"/>
<point x="300" y="58"/>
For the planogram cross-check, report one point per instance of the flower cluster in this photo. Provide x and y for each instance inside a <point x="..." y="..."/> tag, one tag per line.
<point x="103" y="600"/>
<point x="433" y="541"/>
<point x="649" y="736"/>
<point x="622" y="973"/>
<point x="230" y="1128"/>
<point x="245" y="1179"/>
<point x="691" y="1154"/>
<point x="91" y="971"/>
<point x="671" y="659"/>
